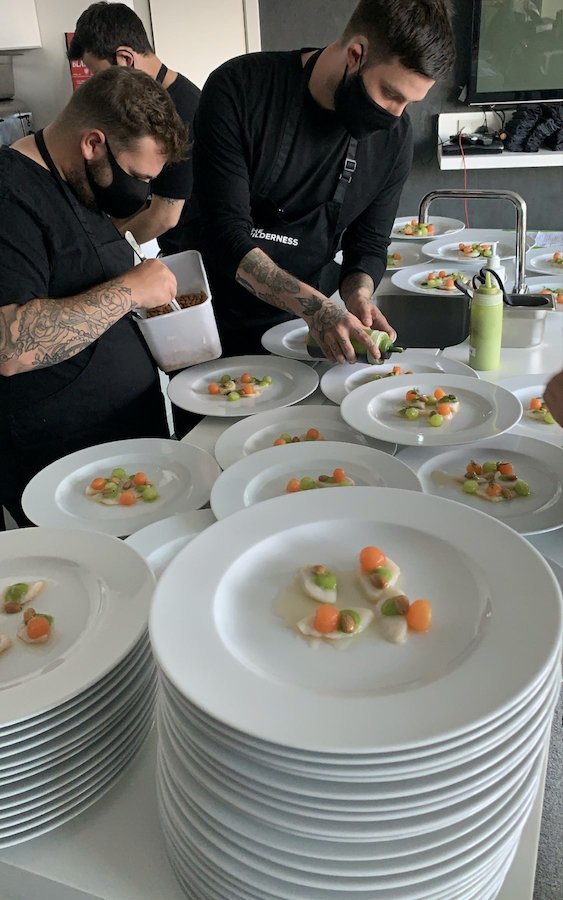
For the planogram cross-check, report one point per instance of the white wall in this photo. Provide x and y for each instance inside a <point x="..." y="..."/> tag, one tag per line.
<point x="42" y="77"/>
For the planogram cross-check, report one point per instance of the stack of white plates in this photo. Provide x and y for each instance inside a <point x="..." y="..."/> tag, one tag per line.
<point x="74" y="710"/>
<point x="384" y="771"/>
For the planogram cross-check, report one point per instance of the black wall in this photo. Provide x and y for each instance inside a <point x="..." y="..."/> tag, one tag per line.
<point x="287" y="24"/>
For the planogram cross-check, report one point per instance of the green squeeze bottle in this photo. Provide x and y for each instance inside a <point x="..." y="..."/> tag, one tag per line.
<point x="485" y="329"/>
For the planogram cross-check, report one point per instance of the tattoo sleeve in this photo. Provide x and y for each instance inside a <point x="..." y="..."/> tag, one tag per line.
<point x="357" y="281"/>
<point x="263" y="278"/>
<point x="44" y="332"/>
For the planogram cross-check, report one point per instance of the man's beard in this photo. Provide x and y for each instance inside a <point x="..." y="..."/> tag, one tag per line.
<point x="78" y="182"/>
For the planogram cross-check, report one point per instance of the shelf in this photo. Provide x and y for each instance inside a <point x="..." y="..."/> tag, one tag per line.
<point x="505" y="160"/>
<point x="452" y="123"/>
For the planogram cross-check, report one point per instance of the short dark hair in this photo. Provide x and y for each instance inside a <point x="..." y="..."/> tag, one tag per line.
<point x="128" y="105"/>
<point x="417" y="32"/>
<point x="104" y="27"/>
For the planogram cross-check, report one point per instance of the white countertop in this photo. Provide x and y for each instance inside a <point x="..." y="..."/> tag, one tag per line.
<point x="114" y="851"/>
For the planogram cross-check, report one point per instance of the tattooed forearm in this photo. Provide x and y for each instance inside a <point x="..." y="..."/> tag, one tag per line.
<point x="357" y="281"/>
<point x="260" y="275"/>
<point x="44" y="332"/>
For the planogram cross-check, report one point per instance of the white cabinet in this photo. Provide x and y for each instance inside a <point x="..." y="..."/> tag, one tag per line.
<point x="19" y="29"/>
<point x="195" y="37"/>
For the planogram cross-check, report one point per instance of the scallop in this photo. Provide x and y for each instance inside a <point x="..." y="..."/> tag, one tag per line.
<point x="307" y="626"/>
<point x="313" y="590"/>
<point x="375" y="594"/>
<point x="22" y="634"/>
<point x="393" y="628"/>
<point x="5" y="642"/>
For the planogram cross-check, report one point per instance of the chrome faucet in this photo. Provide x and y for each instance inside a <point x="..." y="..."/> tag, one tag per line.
<point x="520" y="286"/>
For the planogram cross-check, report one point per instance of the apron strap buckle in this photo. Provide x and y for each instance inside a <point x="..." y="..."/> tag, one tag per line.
<point x="350" y="166"/>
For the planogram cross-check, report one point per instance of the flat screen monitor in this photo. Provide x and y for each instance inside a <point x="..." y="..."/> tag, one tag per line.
<point x="517" y="52"/>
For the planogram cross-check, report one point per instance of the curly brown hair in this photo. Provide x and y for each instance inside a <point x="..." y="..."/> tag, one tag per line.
<point x="128" y="105"/>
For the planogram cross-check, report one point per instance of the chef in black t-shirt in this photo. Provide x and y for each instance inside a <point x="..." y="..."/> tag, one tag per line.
<point x="295" y="151"/>
<point x="112" y="34"/>
<point x="74" y="369"/>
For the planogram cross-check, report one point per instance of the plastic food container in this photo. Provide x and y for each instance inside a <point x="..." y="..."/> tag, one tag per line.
<point x="522" y="326"/>
<point x="185" y="338"/>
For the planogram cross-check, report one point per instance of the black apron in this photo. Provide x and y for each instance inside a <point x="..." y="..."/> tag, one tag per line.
<point x="301" y="246"/>
<point x="115" y="397"/>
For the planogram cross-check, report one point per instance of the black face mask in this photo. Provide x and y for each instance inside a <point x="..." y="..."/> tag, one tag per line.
<point x="124" y="196"/>
<point x="360" y="115"/>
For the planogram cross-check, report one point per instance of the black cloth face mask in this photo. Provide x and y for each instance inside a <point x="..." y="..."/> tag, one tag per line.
<point x="360" y="115"/>
<point x="124" y="196"/>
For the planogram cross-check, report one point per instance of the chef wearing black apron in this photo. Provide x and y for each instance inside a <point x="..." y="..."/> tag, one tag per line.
<point x="276" y="171"/>
<point x="108" y="391"/>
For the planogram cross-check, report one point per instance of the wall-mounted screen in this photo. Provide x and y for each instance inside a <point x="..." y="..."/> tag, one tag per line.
<point x="517" y="52"/>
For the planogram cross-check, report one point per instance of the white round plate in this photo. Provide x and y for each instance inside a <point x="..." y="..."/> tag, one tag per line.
<point x="538" y="463"/>
<point x="160" y="542"/>
<point x="287" y="340"/>
<point x="524" y="387"/>
<point x="442" y="226"/>
<point x="359" y="700"/>
<point x="265" y="475"/>
<point x="553" y="283"/>
<point x="182" y="473"/>
<point x="540" y="260"/>
<point x="444" y="248"/>
<point x="98" y="591"/>
<point x="485" y="411"/>
<point x="291" y="382"/>
<point x="259" y="432"/>
<point x="410" y="254"/>
<point x="411" y="279"/>
<point x="340" y="381"/>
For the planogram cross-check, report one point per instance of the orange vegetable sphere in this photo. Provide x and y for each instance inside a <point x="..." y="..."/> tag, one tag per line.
<point x="419" y="615"/>
<point x="326" y="618"/>
<point x="140" y="478"/>
<point x="293" y="485"/>
<point x="213" y="388"/>
<point x="127" y="498"/>
<point x="371" y="558"/>
<point x="37" y="627"/>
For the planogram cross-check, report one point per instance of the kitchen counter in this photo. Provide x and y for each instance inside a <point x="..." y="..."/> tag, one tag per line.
<point x="114" y="851"/>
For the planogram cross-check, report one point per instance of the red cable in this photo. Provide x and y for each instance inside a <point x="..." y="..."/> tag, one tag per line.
<point x="464" y="178"/>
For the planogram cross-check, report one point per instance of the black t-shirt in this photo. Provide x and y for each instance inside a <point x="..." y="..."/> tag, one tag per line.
<point x="44" y="252"/>
<point x="238" y="129"/>
<point x="176" y="180"/>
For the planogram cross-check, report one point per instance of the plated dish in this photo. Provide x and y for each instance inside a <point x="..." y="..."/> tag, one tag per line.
<point x="407" y="228"/>
<point x="485" y="410"/>
<point x="161" y="542"/>
<point x="399" y="254"/>
<point x="358" y="700"/>
<point x="339" y="381"/>
<point x="514" y="478"/>
<point x="545" y="259"/>
<point x="446" y="249"/>
<point x="551" y="286"/>
<point x="528" y="388"/>
<point x="97" y="591"/>
<point x="62" y="495"/>
<point x="308" y="468"/>
<point x="420" y="279"/>
<point x="260" y="432"/>
<point x="274" y="383"/>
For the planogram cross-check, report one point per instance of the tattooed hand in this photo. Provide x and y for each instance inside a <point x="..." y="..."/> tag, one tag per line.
<point x="357" y="292"/>
<point x="334" y="327"/>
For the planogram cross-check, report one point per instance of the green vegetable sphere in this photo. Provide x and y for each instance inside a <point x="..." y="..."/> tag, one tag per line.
<point x="522" y="488"/>
<point x="411" y="413"/>
<point x="436" y="420"/>
<point x="307" y="484"/>
<point x="119" y="473"/>
<point x="470" y="486"/>
<point x="489" y="467"/>
<point x="150" y="494"/>
<point x="327" y="581"/>
<point x="234" y="395"/>
<point x="16" y="591"/>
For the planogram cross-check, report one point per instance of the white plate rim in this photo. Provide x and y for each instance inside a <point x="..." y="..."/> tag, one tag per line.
<point x="354" y="410"/>
<point x="114" y="635"/>
<point x="402" y="280"/>
<point x="365" y="504"/>
<point x="228" y="493"/>
<point x="515" y="383"/>
<point x="333" y="382"/>
<point x="418" y="458"/>
<point x="303" y="374"/>
<point x="473" y="236"/>
<point x="535" y="254"/>
<point x="457" y="226"/>
<point x="273" y="340"/>
<point x="231" y="443"/>
<point x="39" y="497"/>
<point x="154" y="537"/>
